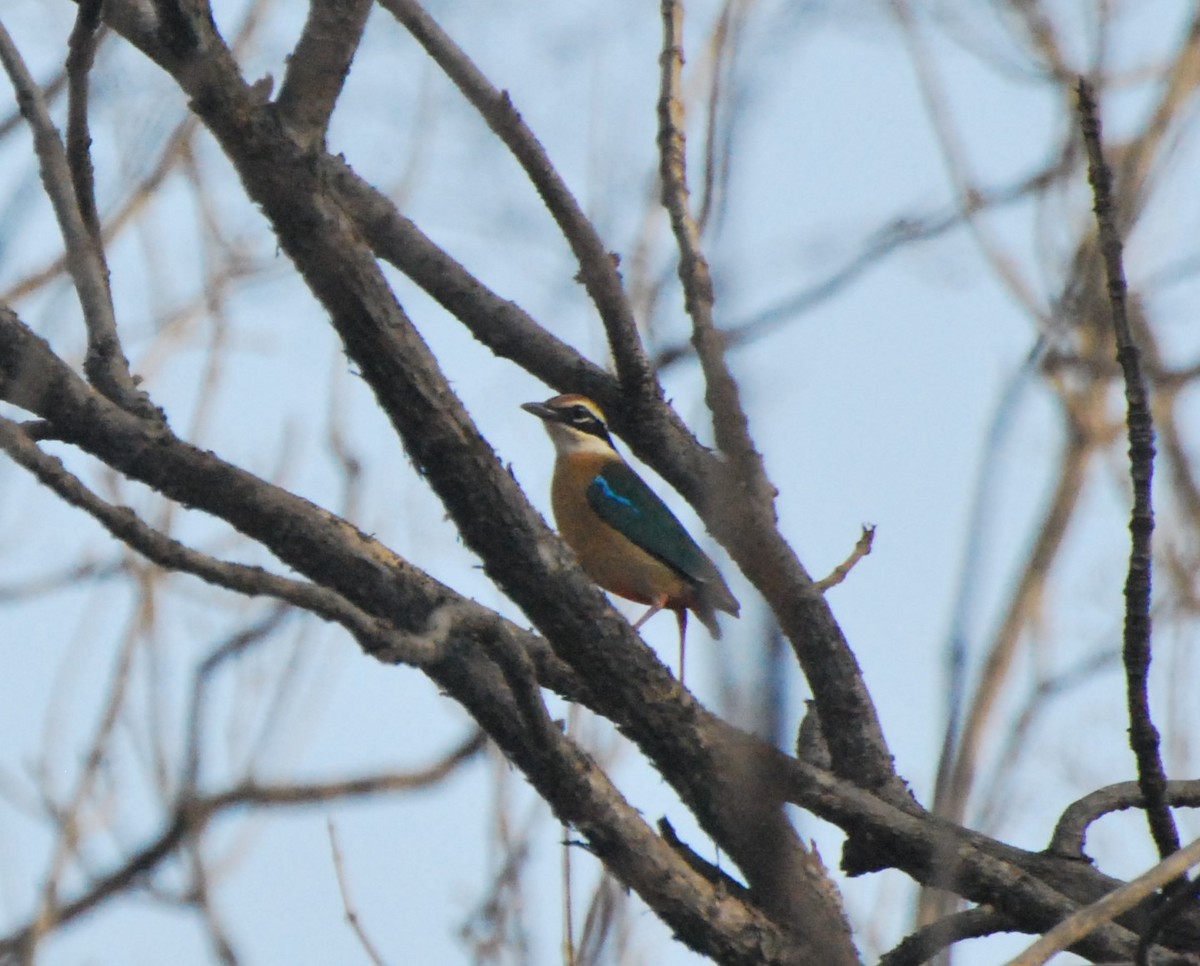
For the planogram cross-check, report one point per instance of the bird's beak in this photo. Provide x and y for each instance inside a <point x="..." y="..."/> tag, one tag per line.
<point x="542" y="411"/>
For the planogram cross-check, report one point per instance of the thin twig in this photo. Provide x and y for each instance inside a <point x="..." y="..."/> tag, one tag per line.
<point x="369" y="786"/>
<point x="597" y="266"/>
<point x="200" y="897"/>
<point x="567" y="901"/>
<point x="1076" y="927"/>
<point x="840" y="572"/>
<point x="1143" y="736"/>
<point x="66" y="847"/>
<point x="125" y="526"/>
<point x="957" y="777"/>
<point x="237" y="644"/>
<point x="80" y="56"/>
<point x="895" y="235"/>
<point x="1006" y="268"/>
<point x="193" y="814"/>
<point x="721" y="391"/>
<point x="1071" y="831"/>
<point x="348" y="906"/>
<point x="922" y="945"/>
<point x="973" y="555"/>
<point x="105" y="363"/>
<point x="137" y="199"/>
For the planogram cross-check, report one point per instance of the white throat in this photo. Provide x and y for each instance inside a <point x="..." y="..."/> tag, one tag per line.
<point x="568" y="441"/>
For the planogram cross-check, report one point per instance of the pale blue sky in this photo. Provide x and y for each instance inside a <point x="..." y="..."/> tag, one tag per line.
<point x="873" y="408"/>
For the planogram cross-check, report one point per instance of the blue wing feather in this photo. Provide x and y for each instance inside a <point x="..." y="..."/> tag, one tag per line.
<point x="622" y="500"/>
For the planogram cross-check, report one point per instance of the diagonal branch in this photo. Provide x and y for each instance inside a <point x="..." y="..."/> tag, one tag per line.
<point x="105" y="364"/>
<point x="317" y="68"/>
<point x="492" y="513"/>
<point x="1143" y="736"/>
<point x="597" y="266"/>
<point x="1101" y="913"/>
<point x="1035" y="889"/>
<point x="193" y="814"/>
<point x="170" y="554"/>
<point x="922" y="946"/>
<point x="741" y="488"/>
<point x="503" y="326"/>
<point x="329" y="550"/>
<point x="80" y="56"/>
<point x="729" y="418"/>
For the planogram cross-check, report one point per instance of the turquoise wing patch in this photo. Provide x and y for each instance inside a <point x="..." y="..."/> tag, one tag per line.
<point x="623" y="501"/>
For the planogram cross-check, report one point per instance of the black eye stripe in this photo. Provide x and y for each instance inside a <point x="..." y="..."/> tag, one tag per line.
<point x="584" y="420"/>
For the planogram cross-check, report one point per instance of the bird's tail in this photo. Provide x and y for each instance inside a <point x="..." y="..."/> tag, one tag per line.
<point x="710" y="596"/>
<point x="705" y="611"/>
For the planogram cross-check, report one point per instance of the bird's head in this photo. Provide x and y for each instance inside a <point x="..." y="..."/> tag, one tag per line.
<point x="575" y="424"/>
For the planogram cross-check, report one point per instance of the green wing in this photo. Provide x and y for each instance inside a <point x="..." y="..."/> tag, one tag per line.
<point x="623" y="501"/>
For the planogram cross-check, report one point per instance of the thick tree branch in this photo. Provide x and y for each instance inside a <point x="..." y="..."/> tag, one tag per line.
<point x="501" y="325"/>
<point x="199" y="479"/>
<point x="501" y="525"/>
<point x="317" y="68"/>
<point x="334" y="228"/>
<point x="1035" y="890"/>
<point x="658" y="437"/>
<point x="328" y="550"/>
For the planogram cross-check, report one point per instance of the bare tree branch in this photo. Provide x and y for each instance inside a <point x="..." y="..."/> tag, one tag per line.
<point x="1143" y="736"/>
<point x="597" y="267"/>
<point x="123" y="524"/>
<point x="81" y="54"/>
<point x="633" y="851"/>
<point x="1069" y="932"/>
<point x="318" y="66"/>
<point x="194" y="813"/>
<point x="106" y="364"/>
<point x="352" y="916"/>
<point x="768" y="898"/>
<point x="984" y="871"/>
<point x="842" y="570"/>
<point x="922" y="945"/>
<point x="1071" y="831"/>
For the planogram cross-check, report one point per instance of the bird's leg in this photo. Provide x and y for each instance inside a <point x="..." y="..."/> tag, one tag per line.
<point x="681" y="618"/>
<point x="659" y="604"/>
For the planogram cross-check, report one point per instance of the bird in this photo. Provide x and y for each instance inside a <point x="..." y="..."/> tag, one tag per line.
<point x="625" y="538"/>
